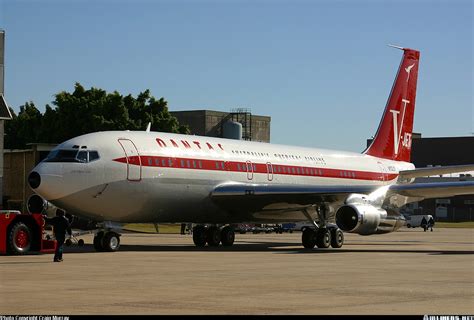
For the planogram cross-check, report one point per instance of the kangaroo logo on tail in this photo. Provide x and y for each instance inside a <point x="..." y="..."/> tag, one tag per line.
<point x="408" y="69"/>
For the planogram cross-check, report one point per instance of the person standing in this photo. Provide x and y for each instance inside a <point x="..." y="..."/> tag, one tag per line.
<point x="431" y="223"/>
<point x="61" y="225"/>
<point x="424" y="223"/>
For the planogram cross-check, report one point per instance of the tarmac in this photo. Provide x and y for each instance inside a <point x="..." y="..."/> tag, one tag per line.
<point x="405" y="272"/>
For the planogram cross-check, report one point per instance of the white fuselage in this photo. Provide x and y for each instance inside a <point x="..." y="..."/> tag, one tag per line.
<point x="162" y="177"/>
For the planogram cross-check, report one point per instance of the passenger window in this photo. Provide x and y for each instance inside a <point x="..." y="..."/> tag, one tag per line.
<point x="163" y="163"/>
<point x="170" y="162"/>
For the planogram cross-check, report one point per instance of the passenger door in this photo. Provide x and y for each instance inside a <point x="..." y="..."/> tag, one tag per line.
<point x="269" y="171"/>
<point x="134" y="164"/>
<point x="249" y="170"/>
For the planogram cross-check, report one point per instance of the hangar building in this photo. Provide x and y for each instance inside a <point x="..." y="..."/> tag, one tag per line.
<point x="213" y="123"/>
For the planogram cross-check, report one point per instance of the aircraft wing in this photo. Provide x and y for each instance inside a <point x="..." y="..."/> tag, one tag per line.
<point x="246" y="198"/>
<point x="433" y="189"/>
<point x="432" y="171"/>
<point x="260" y="197"/>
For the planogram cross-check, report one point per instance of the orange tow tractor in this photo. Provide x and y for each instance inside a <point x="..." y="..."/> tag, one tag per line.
<point x="23" y="233"/>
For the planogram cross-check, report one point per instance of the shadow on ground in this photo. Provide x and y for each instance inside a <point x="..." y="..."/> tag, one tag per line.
<point x="275" y="247"/>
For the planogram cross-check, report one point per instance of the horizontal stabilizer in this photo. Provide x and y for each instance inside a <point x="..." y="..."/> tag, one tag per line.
<point x="433" y="171"/>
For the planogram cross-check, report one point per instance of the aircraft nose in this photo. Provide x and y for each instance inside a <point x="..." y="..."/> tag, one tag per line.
<point x="34" y="179"/>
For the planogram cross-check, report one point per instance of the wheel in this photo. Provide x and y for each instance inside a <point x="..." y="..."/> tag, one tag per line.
<point x="98" y="242"/>
<point x="111" y="241"/>
<point x="227" y="236"/>
<point x="199" y="236"/>
<point x="408" y="225"/>
<point x="213" y="236"/>
<point x="80" y="243"/>
<point x="323" y="238"/>
<point x="68" y="242"/>
<point x="308" y="238"/>
<point x="337" y="238"/>
<point x="19" y="239"/>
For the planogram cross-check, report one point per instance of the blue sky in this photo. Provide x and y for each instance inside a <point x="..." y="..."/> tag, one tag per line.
<point x="320" y="69"/>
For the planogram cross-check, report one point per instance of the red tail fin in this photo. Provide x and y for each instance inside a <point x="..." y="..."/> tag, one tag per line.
<point x="393" y="137"/>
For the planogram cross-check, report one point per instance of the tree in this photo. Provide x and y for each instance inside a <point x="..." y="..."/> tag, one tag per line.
<point x="85" y="111"/>
<point x="23" y="128"/>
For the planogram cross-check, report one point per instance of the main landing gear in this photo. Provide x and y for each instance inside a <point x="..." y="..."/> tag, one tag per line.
<point x="213" y="236"/>
<point x="323" y="235"/>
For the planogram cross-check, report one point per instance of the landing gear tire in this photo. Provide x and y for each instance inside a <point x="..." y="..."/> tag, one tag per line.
<point x="213" y="236"/>
<point x="337" y="238"/>
<point x="308" y="238"/>
<point x="323" y="238"/>
<point x="199" y="236"/>
<point x="19" y="239"/>
<point x="111" y="242"/>
<point x="227" y="236"/>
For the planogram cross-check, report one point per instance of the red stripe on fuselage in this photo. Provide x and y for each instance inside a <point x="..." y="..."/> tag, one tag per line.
<point x="238" y="166"/>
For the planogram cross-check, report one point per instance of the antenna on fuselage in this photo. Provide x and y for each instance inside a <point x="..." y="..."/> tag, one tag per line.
<point x="148" y="127"/>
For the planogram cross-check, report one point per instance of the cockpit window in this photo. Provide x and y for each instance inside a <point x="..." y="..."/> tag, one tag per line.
<point x="82" y="156"/>
<point x="93" y="155"/>
<point x="63" y="155"/>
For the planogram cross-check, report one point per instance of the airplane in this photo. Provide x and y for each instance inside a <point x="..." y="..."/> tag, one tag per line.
<point x="142" y="176"/>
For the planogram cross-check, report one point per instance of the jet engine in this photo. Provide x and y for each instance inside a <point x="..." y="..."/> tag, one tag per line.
<point x="359" y="218"/>
<point x="36" y="204"/>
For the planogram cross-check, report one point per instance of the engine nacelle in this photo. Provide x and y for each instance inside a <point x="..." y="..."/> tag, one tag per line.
<point x="36" y="204"/>
<point x="360" y="218"/>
